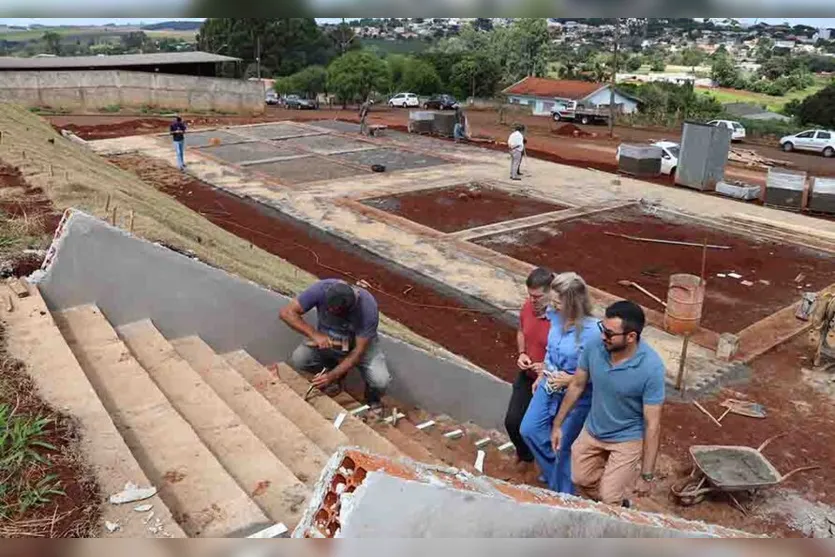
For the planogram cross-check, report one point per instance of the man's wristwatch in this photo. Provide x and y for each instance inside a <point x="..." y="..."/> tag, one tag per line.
<point x="648" y="477"/>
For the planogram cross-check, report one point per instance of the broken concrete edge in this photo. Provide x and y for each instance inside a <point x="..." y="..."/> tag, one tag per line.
<point x="344" y="487"/>
<point x="130" y="279"/>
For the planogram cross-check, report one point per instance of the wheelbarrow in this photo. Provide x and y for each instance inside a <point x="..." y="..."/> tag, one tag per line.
<point x="729" y="470"/>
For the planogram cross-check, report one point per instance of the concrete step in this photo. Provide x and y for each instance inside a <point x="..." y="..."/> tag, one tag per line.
<point x="33" y="338"/>
<point x="357" y="431"/>
<point x="270" y="483"/>
<point x="401" y="434"/>
<point x="202" y="495"/>
<point x="283" y="437"/>
<point x="288" y="402"/>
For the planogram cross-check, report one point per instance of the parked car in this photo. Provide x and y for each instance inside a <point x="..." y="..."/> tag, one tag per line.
<point x="271" y="97"/>
<point x="404" y="100"/>
<point x="737" y="129"/>
<point x="819" y="141"/>
<point x="300" y="103"/>
<point x="441" y="102"/>
<point x="670" y="152"/>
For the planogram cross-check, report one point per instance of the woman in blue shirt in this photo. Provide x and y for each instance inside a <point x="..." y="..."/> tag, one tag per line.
<point x="571" y="328"/>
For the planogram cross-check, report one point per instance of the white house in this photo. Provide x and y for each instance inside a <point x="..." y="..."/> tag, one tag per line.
<point x="543" y="95"/>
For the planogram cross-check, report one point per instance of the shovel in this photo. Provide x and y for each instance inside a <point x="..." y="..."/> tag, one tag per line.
<point x="629" y="283"/>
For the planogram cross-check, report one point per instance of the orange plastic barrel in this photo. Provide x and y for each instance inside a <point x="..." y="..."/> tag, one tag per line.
<point x="685" y="299"/>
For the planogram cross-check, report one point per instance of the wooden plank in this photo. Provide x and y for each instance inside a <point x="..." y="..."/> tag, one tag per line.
<point x="19" y="288"/>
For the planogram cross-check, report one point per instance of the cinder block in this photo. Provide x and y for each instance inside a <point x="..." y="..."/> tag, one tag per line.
<point x="728" y="346"/>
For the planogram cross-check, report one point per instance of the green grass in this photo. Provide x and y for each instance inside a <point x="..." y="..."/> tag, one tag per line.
<point x="23" y="35"/>
<point x="24" y="485"/>
<point x="772" y="103"/>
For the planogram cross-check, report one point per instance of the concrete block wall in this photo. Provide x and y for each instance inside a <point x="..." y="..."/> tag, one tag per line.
<point x="131" y="279"/>
<point x="361" y="495"/>
<point x="97" y="89"/>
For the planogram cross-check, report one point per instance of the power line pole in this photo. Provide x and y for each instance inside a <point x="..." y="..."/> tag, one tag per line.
<point x="614" y="79"/>
<point x="258" y="55"/>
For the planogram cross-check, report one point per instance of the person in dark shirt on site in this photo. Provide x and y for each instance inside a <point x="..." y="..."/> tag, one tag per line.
<point x="345" y="336"/>
<point x="178" y="134"/>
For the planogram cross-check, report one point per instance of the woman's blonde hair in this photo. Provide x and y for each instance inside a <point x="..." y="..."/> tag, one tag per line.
<point x="574" y="298"/>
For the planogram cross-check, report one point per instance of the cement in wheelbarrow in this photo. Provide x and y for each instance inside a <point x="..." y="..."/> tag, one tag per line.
<point x="735" y="467"/>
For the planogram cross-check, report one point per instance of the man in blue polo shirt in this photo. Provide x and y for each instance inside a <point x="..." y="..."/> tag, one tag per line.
<point x="623" y="429"/>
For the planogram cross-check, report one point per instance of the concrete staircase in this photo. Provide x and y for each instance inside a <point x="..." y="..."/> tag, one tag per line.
<point x="232" y="446"/>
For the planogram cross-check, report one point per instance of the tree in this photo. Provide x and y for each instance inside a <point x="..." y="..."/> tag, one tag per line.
<point x="528" y="49"/>
<point x="774" y="67"/>
<point x="288" y="45"/>
<point x="53" y="42"/>
<point x="475" y="75"/>
<point x="356" y="74"/>
<point x="483" y="24"/>
<point x="420" y="77"/>
<point x="723" y="71"/>
<point x="136" y="40"/>
<point x="657" y="63"/>
<point x="819" y="108"/>
<point x="634" y="63"/>
<point x="397" y="67"/>
<point x="692" y="57"/>
<point x="309" y="82"/>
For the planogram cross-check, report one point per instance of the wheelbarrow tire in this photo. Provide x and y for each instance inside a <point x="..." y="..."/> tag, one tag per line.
<point x="690" y="493"/>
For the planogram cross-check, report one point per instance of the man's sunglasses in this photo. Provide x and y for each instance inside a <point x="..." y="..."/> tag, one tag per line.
<point x="608" y="333"/>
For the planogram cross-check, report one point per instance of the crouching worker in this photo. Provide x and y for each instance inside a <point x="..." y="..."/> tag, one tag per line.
<point x="345" y="336"/>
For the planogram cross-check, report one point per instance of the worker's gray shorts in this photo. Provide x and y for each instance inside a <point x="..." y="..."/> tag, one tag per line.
<point x="372" y="367"/>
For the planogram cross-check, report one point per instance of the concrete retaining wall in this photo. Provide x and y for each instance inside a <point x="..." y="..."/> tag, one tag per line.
<point x="96" y="90"/>
<point x="131" y="279"/>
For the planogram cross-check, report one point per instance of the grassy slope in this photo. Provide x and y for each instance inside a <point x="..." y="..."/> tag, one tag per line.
<point x="158" y="217"/>
<point x="19" y="35"/>
<point x="772" y="103"/>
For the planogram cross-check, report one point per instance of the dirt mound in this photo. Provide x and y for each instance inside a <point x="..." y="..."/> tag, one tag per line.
<point x="570" y="130"/>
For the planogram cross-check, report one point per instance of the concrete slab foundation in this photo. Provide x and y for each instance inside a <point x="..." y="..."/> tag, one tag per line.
<point x="336" y="125"/>
<point x="365" y="496"/>
<point x="392" y="159"/>
<point x="325" y="144"/>
<point x="203" y="139"/>
<point x="299" y="171"/>
<point x="276" y="131"/>
<point x="249" y="152"/>
<point x="137" y="280"/>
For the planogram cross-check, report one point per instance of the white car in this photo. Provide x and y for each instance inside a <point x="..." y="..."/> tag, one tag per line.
<point x="404" y="100"/>
<point x="819" y="141"/>
<point x="669" y="156"/>
<point x="737" y="129"/>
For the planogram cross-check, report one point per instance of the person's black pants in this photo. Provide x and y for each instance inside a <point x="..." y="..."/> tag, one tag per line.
<point x="519" y="401"/>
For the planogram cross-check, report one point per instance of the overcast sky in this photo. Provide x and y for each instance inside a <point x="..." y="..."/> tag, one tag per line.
<point x="814" y="22"/>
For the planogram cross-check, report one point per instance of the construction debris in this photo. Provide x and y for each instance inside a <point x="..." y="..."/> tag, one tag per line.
<point x="479" y="461"/>
<point x="143" y="508"/>
<point x="112" y="526"/>
<point x="662" y="241"/>
<point x="132" y="493"/>
<point x="273" y="531"/>
<point x="754" y="159"/>
<point x="744" y="408"/>
<point x="18" y="287"/>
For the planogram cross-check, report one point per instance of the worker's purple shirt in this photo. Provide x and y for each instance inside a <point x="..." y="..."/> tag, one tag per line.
<point x="361" y="322"/>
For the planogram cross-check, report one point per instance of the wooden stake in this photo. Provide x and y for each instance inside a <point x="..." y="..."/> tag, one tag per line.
<point x="9" y="303"/>
<point x="682" y="359"/>
<point x="725" y="413"/>
<point x="704" y="261"/>
<point x="107" y="205"/>
<point x="708" y="414"/>
<point x="113" y="216"/>
<point x="132" y="215"/>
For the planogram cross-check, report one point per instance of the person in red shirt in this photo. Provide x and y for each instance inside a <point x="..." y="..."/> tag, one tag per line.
<point x="532" y="340"/>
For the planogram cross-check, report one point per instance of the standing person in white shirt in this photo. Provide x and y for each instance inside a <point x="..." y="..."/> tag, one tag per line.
<point x="516" y="144"/>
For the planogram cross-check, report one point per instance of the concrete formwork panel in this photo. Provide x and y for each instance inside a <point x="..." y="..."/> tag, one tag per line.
<point x="203" y="139"/>
<point x="361" y="495"/>
<point x="249" y="152"/>
<point x="276" y="131"/>
<point x="308" y="169"/>
<point x="336" y="125"/>
<point x="131" y="279"/>
<point x="392" y="159"/>
<point x="326" y="144"/>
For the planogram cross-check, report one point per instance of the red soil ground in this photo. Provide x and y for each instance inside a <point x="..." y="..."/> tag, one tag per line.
<point x="484" y="339"/>
<point x="582" y="245"/>
<point x="461" y="207"/>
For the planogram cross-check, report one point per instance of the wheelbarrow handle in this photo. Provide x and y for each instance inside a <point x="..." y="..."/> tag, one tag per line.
<point x="798" y="470"/>
<point x="769" y="440"/>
